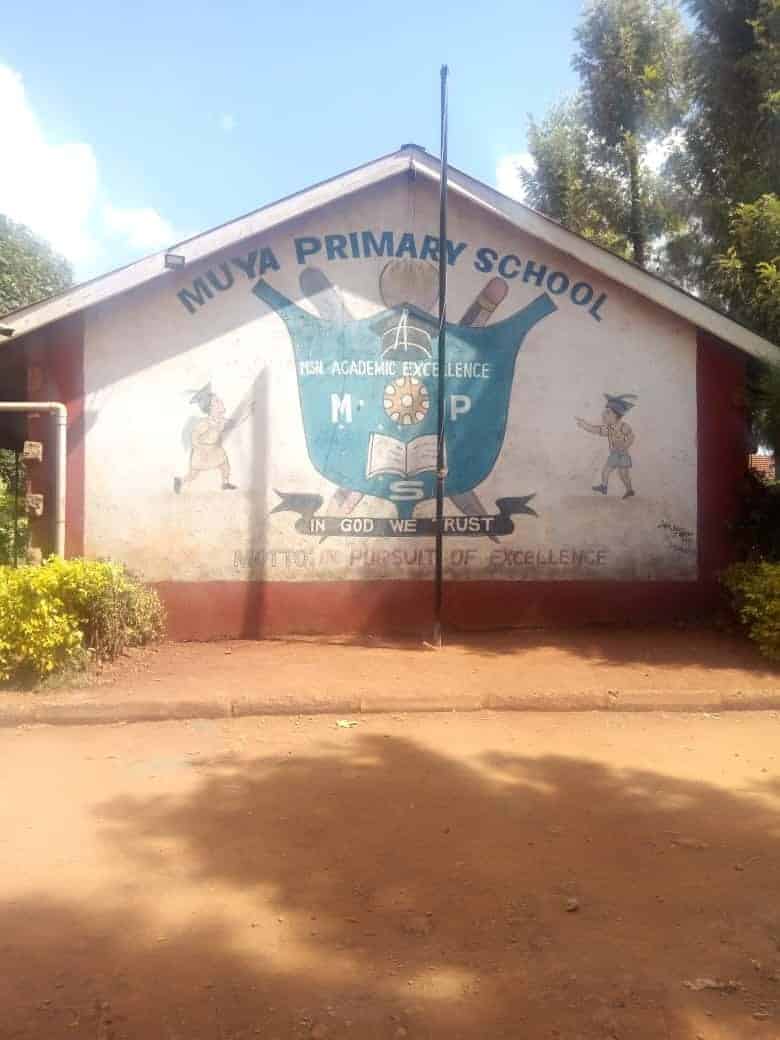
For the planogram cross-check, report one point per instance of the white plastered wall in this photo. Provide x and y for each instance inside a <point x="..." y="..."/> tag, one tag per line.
<point x="146" y="355"/>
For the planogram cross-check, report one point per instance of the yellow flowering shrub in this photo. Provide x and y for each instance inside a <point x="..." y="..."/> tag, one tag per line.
<point x="37" y="634"/>
<point x="56" y="615"/>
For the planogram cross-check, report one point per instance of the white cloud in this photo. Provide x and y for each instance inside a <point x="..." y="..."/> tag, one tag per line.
<point x="49" y="187"/>
<point x="227" y="122"/>
<point x="55" y="189"/>
<point x="142" y="228"/>
<point x="507" y="177"/>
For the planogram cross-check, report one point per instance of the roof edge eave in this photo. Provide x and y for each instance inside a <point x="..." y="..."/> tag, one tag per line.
<point x="200" y="247"/>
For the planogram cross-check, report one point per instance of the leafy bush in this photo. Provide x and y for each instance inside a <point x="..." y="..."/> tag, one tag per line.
<point x="756" y="529"/>
<point x="755" y="590"/>
<point x="37" y="634"/>
<point x="57" y="615"/>
<point x="14" y="531"/>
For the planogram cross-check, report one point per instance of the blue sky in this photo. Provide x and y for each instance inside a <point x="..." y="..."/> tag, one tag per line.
<point x="129" y="126"/>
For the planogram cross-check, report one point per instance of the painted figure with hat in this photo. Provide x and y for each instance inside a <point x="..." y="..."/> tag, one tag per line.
<point x="205" y="436"/>
<point x="620" y="437"/>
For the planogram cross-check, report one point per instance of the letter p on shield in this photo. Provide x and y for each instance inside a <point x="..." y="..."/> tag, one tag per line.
<point x="340" y="408"/>
<point x="459" y="405"/>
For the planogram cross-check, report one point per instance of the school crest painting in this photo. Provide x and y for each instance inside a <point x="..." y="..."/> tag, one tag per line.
<point x="368" y="402"/>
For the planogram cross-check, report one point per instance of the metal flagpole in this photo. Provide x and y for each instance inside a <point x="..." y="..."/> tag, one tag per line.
<point x="440" y="453"/>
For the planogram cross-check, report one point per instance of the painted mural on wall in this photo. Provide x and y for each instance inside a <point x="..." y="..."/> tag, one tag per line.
<point x="294" y="401"/>
<point x="204" y="438"/>
<point x="368" y="394"/>
<point x="620" y="437"/>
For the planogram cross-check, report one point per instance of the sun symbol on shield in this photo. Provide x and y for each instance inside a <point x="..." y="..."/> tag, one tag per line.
<point x="406" y="401"/>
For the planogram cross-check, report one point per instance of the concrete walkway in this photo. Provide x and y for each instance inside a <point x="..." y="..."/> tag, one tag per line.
<point x="638" y="669"/>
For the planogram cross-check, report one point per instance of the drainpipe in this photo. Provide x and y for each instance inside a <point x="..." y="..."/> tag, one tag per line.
<point x="60" y="415"/>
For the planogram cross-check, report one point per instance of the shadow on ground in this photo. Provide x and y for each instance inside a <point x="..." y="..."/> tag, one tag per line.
<point x="657" y="646"/>
<point x="388" y="891"/>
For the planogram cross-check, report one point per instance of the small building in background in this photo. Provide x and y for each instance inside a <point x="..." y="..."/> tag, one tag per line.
<point x="764" y="465"/>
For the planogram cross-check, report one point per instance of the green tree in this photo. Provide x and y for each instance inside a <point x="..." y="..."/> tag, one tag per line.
<point x="730" y="152"/>
<point x="572" y="183"/>
<point x="747" y="274"/>
<point x="567" y="182"/>
<point x="631" y="61"/>
<point x="766" y="27"/>
<point x="29" y="269"/>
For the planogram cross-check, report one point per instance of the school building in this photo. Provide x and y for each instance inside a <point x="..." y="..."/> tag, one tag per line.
<point x="250" y="418"/>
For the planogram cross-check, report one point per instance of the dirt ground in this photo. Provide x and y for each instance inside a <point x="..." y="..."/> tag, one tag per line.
<point x="572" y="668"/>
<point x="488" y="875"/>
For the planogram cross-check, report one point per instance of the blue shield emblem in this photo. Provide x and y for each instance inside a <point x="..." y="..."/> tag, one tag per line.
<point x="368" y="396"/>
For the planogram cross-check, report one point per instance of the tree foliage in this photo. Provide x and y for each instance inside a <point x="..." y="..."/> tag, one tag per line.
<point x="590" y="152"/>
<point x="572" y="183"/>
<point x="730" y="150"/>
<point x="569" y="185"/>
<point x="767" y="60"/>
<point x="29" y="269"/>
<point x="731" y="129"/>
<point x="630" y="59"/>
<point x="708" y="220"/>
<point x="747" y="274"/>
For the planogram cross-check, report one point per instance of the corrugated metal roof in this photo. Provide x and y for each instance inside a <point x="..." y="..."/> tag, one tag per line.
<point x="412" y="157"/>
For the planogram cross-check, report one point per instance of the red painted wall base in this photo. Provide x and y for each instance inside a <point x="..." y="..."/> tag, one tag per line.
<point x="224" y="609"/>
